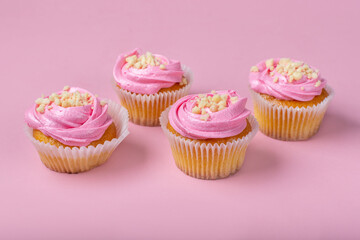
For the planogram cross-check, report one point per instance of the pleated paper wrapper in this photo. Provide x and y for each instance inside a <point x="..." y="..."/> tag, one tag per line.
<point x="80" y="159"/>
<point x="208" y="161"/>
<point x="289" y="123"/>
<point x="145" y="109"/>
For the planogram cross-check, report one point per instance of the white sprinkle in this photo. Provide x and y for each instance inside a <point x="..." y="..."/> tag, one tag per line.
<point x="205" y="117"/>
<point x="269" y="62"/>
<point x="318" y="83"/>
<point x="254" y="69"/>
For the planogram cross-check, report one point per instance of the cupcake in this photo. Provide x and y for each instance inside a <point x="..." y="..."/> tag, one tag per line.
<point x="290" y="98"/>
<point x="149" y="83"/>
<point x="74" y="131"/>
<point x="209" y="133"/>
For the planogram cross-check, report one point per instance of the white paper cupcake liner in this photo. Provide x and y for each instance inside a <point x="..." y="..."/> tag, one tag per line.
<point x="208" y="161"/>
<point x="146" y="109"/>
<point x="80" y="159"/>
<point x="289" y="123"/>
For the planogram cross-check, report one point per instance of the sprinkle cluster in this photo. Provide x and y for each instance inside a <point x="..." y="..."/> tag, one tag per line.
<point x="209" y="103"/>
<point x="294" y="70"/>
<point x="143" y="61"/>
<point x="65" y="99"/>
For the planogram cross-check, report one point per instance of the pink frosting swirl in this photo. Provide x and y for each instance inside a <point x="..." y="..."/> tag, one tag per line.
<point x="280" y="86"/>
<point x="221" y="124"/>
<point x="150" y="79"/>
<point x="73" y="126"/>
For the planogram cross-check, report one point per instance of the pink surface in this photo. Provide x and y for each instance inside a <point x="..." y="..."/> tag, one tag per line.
<point x="285" y="190"/>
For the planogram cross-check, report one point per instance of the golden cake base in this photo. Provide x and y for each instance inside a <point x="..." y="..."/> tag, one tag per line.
<point x="290" y="120"/>
<point x="219" y="162"/>
<point x="146" y="109"/>
<point x="209" y="158"/>
<point x="74" y="165"/>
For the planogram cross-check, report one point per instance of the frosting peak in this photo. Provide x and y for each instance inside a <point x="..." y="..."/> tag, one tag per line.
<point x="218" y="114"/>
<point x="73" y="116"/>
<point x="147" y="73"/>
<point x="286" y="79"/>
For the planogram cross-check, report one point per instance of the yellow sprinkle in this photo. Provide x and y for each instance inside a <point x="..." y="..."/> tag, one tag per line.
<point x="38" y="101"/>
<point x="214" y="108"/>
<point x="284" y="61"/>
<point x="234" y="99"/>
<point x="297" y="75"/>
<point x="205" y="117"/>
<point x="318" y="83"/>
<point x="254" y="69"/>
<point x="269" y="63"/>
<point x="196" y="110"/>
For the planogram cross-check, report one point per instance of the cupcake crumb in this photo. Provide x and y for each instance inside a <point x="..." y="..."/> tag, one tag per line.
<point x="234" y="99"/>
<point x="41" y="108"/>
<point x="183" y="81"/>
<point x="39" y="101"/>
<point x="297" y="75"/>
<point x="196" y="110"/>
<point x="269" y="63"/>
<point x="254" y="69"/>
<point x="214" y="108"/>
<point x="205" y="117"/>
<point x="216" y="98"/>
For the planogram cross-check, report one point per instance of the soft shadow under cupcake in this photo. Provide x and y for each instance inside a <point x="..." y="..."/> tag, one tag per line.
<point x="335" y="124"/>
<point x="128" y="157"/>
<point x="259" y="160"/>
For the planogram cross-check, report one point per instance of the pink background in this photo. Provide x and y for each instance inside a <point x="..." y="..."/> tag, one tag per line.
<point x="285" y="190"/>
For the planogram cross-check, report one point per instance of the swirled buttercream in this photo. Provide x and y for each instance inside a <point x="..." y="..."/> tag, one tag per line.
<point x="74" y="117"/>
<point x="147" y="73"/>
<point x="286" y="79"/>
<point x="218" y="114"/>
